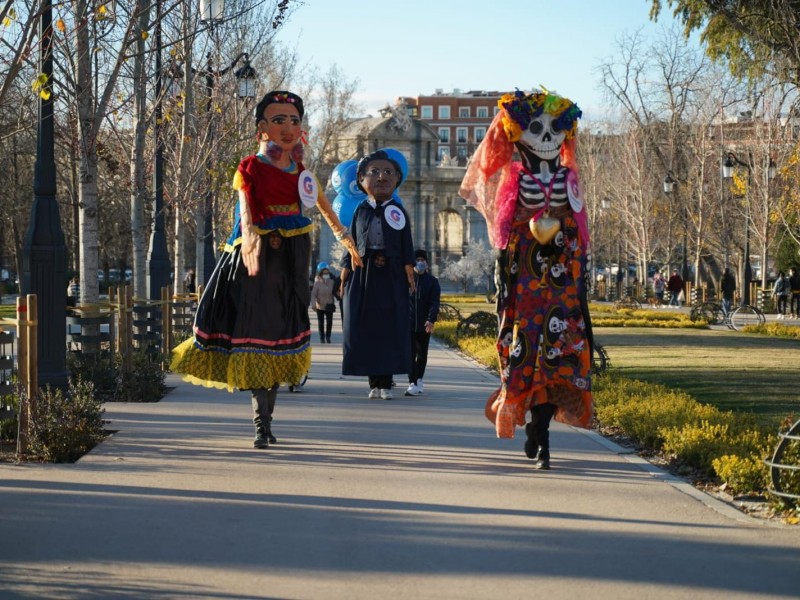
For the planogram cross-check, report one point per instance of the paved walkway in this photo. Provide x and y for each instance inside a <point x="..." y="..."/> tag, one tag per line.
<point x="409" y="498"/>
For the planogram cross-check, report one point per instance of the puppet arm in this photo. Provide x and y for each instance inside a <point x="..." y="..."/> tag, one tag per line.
<point x="339" y="230"/>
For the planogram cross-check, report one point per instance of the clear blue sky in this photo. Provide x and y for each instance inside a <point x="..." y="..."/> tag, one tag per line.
<point x="412" y="47"/>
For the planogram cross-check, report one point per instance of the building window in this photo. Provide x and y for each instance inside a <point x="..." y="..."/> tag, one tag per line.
<point x="461" y="151"/>
<point x="480" y="133"/>
<point x="461" y="135"/>
<point x="444" y="152"/>
<point x="496" y="110"/>
<point x="483" y="112"/>
<point x="444" y="135"/>
<point x="463" y="112"/>
<point x="444" y="112"/>
<point x="427" y="112"/>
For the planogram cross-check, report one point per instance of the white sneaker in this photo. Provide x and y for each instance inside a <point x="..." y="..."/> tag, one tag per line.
<point x="386" y="394"/>
<point x="420" y="386"/>
<point x="413" y="390"/>
<point x="374" y="394"/>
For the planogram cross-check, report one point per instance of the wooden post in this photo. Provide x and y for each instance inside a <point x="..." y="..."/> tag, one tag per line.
<point x="166" y="322"/>
<point x="33" y="352"/>
<point x="22" y="374"/>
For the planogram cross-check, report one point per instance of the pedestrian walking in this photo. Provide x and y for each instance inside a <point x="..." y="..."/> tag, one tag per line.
<point x="536" y="217"/>
<point x="252" y="329"/>
<point x="376" y="294"/>
<point x="728" y="287"/>
<point x="659" y="285"/>
<point x="780" y="293"/>
<point x="73" y="292"/>
<point x="424" y="312"/>
<point x="675" y="288"/>
<point x="189" y="282"/>
<point x="323" y="301"/>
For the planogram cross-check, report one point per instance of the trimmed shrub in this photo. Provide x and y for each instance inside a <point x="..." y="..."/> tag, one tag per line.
<point x="644" y="416"/>
<point x="67" y="425"/>
<point x="775" y="330"/>
<point x="696" y="445"/>
<point x="741" y="474"/>
<point x="145" y="382"/>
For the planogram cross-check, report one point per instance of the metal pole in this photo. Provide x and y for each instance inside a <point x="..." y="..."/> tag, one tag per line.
<point x="208" y="229"/>
<point x="44" y="251"/>
<point x="748" y="271"/>
<point x="158" y="258"/>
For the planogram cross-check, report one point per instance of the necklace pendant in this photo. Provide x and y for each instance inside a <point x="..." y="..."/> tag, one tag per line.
<point x="545" y="228"/>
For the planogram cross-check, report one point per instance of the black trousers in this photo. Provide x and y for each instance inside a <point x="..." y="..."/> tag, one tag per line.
<point x="419" y="355"/>
<point x="382" y="382"/>
<point x="325" y="320"/>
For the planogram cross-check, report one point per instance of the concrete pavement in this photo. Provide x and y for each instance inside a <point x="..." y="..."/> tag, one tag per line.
<point x="412" y="498"/>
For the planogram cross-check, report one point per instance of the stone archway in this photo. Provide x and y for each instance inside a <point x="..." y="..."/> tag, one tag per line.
<point x="450" y="233"/>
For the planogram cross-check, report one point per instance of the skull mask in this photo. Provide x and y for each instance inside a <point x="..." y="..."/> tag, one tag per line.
<point x="543" y="138"/>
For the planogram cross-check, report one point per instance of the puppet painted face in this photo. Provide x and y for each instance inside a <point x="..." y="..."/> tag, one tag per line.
<point x="543" y="137"/>
<point x="281" y="124"/>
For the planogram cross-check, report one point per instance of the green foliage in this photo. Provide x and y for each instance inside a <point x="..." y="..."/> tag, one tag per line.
<point x="751" y="37"/>
<point x="786" y="256"/>
<point x="67" y="426"/>
<point x="101" y="368"/>
<point x="145" y="382"/>
<point x="8" y="427"/>
<point x="774" y="329"/>
<point x="696" y="445"/>
<point x="741" y="474"/>
<point x="647" y="415"/>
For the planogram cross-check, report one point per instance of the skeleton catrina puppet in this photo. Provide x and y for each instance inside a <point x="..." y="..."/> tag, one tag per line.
<point x="523" y="179"/>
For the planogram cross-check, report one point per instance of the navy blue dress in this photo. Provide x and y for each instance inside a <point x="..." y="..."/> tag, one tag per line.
<point x="376" y="297"/>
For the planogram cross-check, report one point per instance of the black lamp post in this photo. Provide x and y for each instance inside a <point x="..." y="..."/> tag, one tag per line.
<point x="669" y="186"/>
<point x="730" y="162"/>
<point x="158" y="258"/>
<point x="44" y="252"/>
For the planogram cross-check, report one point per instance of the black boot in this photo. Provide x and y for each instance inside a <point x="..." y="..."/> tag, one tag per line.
<point x="263" y="401"/>
<point x="531" y="444"/>
<point x="261" y="441"/>
<point x="541" y="416"/>
<point x="271" y="407"/>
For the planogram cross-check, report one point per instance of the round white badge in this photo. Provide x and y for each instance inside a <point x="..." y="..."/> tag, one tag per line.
<point x="395" y="217"/>
<point x="307" y="186"/>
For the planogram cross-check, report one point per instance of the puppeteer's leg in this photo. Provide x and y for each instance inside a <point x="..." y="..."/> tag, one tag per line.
<point x="263" y="401"/>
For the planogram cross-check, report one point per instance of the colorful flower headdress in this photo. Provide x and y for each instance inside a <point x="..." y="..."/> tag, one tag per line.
<point x="519" y="109"/>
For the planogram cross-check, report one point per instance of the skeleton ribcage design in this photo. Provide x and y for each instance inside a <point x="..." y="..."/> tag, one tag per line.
<point x="532" y="195"/>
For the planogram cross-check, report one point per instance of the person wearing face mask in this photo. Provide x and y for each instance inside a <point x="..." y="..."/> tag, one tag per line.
<point x="376" y="295"/>
<point x="323" y="301"/>
<point x="424" y="311"/>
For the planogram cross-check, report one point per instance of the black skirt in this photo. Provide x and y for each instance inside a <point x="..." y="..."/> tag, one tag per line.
<point x="252" y="332"/>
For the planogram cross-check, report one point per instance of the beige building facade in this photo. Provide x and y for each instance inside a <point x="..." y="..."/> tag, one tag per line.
<point x="442" y="223"/>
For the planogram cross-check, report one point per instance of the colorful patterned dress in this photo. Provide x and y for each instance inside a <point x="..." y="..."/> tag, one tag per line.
<point x="254" y="332"/>
<point x="544" y="342"/>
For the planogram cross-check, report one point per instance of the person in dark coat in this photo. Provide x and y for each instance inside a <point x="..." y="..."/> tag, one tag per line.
<point x="675" y="287"/>
<point x="424" y="311"/>
<point x="376" y="296"/>
<point x="728" y="285"/>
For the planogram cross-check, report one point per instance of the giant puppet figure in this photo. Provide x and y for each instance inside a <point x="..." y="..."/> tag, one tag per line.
<point x="536" y="218"/>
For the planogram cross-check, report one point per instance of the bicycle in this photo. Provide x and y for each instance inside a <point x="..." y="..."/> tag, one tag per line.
<point x="627" y="302"/>
<point x="711" y="312"/>
<point x="789" y="440"/>
<point x="745" y="315"/>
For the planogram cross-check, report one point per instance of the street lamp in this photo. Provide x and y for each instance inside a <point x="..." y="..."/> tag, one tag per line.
<point x="158" y="257"/>
<point x="728" y="166"/>
<point x="44" y="251"/>
<point x="669" y="187"/>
